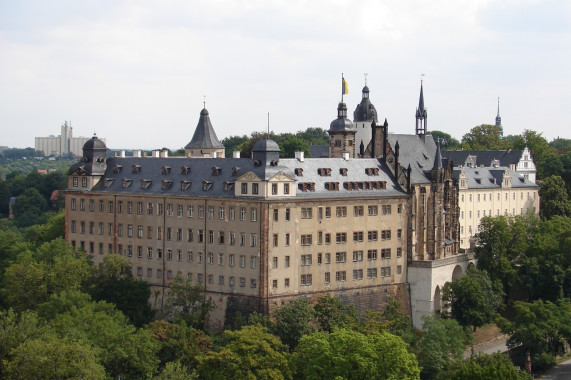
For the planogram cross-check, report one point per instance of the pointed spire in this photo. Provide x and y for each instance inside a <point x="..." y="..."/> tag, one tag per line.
<point x="204" y="136"/>
<point x="421" y="98"/>
<point x="499" y="120"/>
<point x="437" y="157"/>
<point x="421" y="114"/>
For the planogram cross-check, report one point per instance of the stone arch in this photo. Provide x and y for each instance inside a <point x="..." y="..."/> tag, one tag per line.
<point x="457" y="272"/>
<point x="437" y="300"/>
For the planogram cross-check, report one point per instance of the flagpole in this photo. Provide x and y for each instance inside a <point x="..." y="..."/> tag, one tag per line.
<point x="342" y="87"/>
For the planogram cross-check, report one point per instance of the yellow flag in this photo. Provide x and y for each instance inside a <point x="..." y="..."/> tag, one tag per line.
<point x="344" y="87"/>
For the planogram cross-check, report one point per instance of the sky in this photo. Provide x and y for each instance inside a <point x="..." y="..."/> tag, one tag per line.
<point x="136" y="71"/>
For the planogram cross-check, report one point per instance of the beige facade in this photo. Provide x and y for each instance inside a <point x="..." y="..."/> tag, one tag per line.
<point x="62" y="144"/>
<point x="492" y="192"/>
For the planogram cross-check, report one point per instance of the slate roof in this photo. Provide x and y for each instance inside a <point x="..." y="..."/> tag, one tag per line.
<point x="204" y="136"/>
<point x="319" y="151"/>
<point x="365" y="110"/>
<point x="418" y="152"/>
<point x="491" y="178"/>
<point x="483" y="157"/>
<point x="153" y="170"/>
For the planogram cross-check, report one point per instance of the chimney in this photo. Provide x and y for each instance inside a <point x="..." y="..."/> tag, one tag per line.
<point x="214" y="154"/>
<point x="165" y="153"/>
<point x="122" y="153"/>
<point x="346" y="156"/>
<point x="156" y="153"/>
<point x="236" y="154"/>
<point x="136" y="153"/>
<point x="300" y="156"/>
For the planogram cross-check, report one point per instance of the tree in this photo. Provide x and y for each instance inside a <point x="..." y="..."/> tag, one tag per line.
<point x="123" y="350"/>
<point x="251" y="353"/>
<point x="186" y="301"/>
<point x="231" y="143"/>
<point x="347" y="354"/>
<point x="500" y="244"/>
<point x="390" y="319"/>
<point x="54" y="228"/>
<point x="473" y="300"/>
<point x="294" y="321"/>
<point x="180" y="343"/>
<point x="554" y="198"/>
<point x="113" y="282"/>
<point x="442" y="344"/>
<point x="485" y="367"/>
<point x="54" y="358"/>
<point x="176" y="371"/>
<point x="483" y="137"/>
<point x="447" y="142"/>
<point x="545" y="270"/>
<point x="314" y="136"/>
<point x="540" y="328"/>
<point x="54" y="267"/>
<point x="292" y="145"/>
<point x="332" y="314"/>
<point x="16" y="329"/>
<point x="29" y="208"/>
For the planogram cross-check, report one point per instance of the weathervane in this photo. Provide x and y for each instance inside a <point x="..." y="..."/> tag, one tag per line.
<point x="422" y="78"/>
<point x="204" y="101"/>
<point x="366" y="78"/>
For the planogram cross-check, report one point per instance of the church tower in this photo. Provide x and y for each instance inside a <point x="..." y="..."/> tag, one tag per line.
<point x="421" y="114"/>
<point x="499" y="121"/>
<point x="341" y="134"/>
<point x="363" y="117"/>
<point x="204" y="142"/>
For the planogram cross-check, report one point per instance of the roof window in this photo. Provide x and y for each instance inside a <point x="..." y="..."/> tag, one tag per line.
<point x="206" y="185"/>
<point x="166" y="184"/>
<point x="185" y="170"/>
<point x="107" y="182"/>
<point x="126" y="182"/>
<point x="145" y="183"/>
<point x="166" y="170"/>
<point x="184" y="184"/>
<point x="117" y="169"/>
<point x="216" y="170"/>
<point x="136" y="169"/>
<point x="228" y="185"/>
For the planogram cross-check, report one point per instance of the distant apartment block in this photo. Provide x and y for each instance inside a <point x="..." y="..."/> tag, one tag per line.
<point x="62" y="144"/>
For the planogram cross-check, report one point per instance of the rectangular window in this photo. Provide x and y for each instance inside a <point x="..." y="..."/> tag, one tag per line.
<point x="231" y="260"/>
<point x="287" y="240"/>
<point x="201" y="212"/>
<point x="372" y="254"/>
<point x="179" y="234"/>
<point x="327" y="238"/>
<point x="189" y="235"/>
<point x="275" y="214"/>
<point x="385" y="253"/>
<point x="82" y="204"/>
<point x="399" y="234"/>
<point x="220" y="259"/>
<point x="340" y="257"/>
<point x="372" y="273"/>
<point x="357" y="255"/>
<point x="232" y="213"/>
<point x="275" y="240"/>
<point x="274" y="284"/>
<point x="357" y="274"/>
<point x="286" y="282"/>
<point x="373" y="210"/>
<point x="305" y="280"/>
<point x="190" y="211"/>
<point x="139" y="208"/>
<point x="242" y="213"/>
<point x="73" y="226"/>
<point x="327" y="258"/>
<point x="169" y="254"/>
<point x="210" y="237"/>
<point x="210" y="212"/>
<point x="341" y="237"/>
<point x="91" y="205"/>
<point x="357" y="210"/>
<point x="201" y="236"/>
<point x="73" y="204"/>
<point x="274" y="262"/>
<point x="341" y="276"/>
<point x="306" y="213"/>
<point x="327" y="277"/>
<point x="386" y="235"/>
<point x="399" y="269"/>
<point x="305" y="260"/>
<point x="358" y="236"/>
<point x="341" y="211"/>
<point x="328" y="212"/>
<point x="286" y="263"/>
<point x="253" y="240"/>
<point x="210" y="258"/>
<point x="169" y="209"/>
<point x="254" y="188"/>
<point x="385" y="271"/>
<point x="221" y="237"/>
<point x="159" y="209"/>
<point x="253" y="262"/>
<point x="372" y="235"/>
<point x="190" y="256"/>
<point x="242" y="261"/>
<point x="254" y="214"/>
<point x="244" y="188"/>
<point x="231" y="281"/>
<point x="286" y="188"/>
<point x="129" y="207"/>
<point x="274" y="188"/>
<point x="149" y="252"/>
<point x="386" y="209"/>
<point x="242" y="239"/>
<point x="287" y="214"/>
<point x="232" y="238"/>
<point x="306" y="239"/>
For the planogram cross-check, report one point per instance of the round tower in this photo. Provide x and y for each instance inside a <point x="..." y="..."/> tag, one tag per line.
<point x="342" y="134"/>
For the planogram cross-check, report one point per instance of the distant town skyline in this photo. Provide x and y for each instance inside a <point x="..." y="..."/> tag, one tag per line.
<point x="137" y="73"/>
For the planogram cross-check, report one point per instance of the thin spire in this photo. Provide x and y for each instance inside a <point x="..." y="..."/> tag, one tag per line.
<point x="499" y="121"/>
<point x="421" y="99"/>
<point x="366" y="78"/>
<point x="204" y="101"/>
<point x="498" y="106"/>
<point x="268" y="124"/>
<point x="437" y="156"/>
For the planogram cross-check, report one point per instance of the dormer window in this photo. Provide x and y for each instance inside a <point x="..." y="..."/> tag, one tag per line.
<point x="145" y="183"/>
<point x="136" y="169"/>
<point x="299" y="172"/>
<point x="206" y="185"/>
<point x="343" y="172"/>
<point x="216" y="171"/>
<point x="235" y="171"/>
<point x="106" y="182"/>
<point x="228" y="185"/>
<point x="185" y="170"/>
<point x="257" y="163"/>
<point x="126" y="182"/>
<point x="372" y="171"/>
<point x="307" y="186"/>
<point x="184" y="184"/>
<point x="332" y="186"/>
<point x="166" y="184"/>
<point x="274" y="163"/>
<point x="479" y="181"/>
<point x="117" y="169"/>
<point x="324" y="172"/>
<point x="166" y="170"/>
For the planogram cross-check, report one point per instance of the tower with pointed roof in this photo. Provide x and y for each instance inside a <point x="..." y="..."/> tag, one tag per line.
<point x="204" y="142"/>
<point x="363" y="117"/>
<point x="421" y="114"/>
<point x="499" y="121"/>
<point x="341" y="134"/>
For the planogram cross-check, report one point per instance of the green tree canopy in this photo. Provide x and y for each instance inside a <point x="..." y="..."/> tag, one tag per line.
<point x="485" y="367"/>
<point x="293" y="321"/>
<point x="443" y="343"/>
<point x="447" y="142"/>
<point x="251" y="353"/>
<point x="554" y="198"/>
<point x="332" y="314"/>
<point x="186" y="301"/>
<point x="483" y="137"/>
<point x="347" y="354"/>
<point x="473" y="300"/>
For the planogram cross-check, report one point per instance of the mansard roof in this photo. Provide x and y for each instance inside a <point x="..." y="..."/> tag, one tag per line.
<point x="483" y="157"/>
<point x="209" y="177"/>
<point x="491" y="177"/>
<point x="204" y="136"/>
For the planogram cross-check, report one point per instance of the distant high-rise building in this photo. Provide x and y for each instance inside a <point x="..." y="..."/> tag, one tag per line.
<point x="62" y="144"/>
